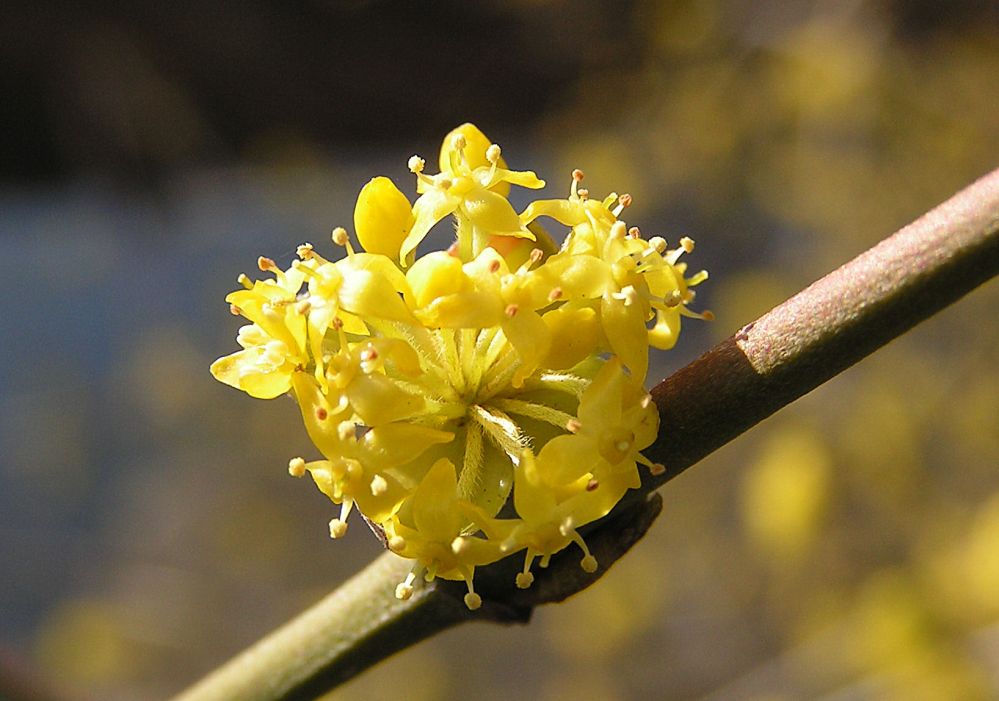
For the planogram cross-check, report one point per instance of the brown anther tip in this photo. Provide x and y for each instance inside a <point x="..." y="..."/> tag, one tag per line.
<point x="337" y="323"/>
<point x="494" y="266"/>
<point x="234" y="310"/>
<point x="452" y="250"/>
<point x="578" y="175"/>
<point x="266" y="264"/>
<point x="634" y="232"/>
<point x="511" y="310"/>
<point x="321" y="414"/>
<point x="708" y="315"/>
<point x="592" y="485"/>
<point x="573" y="425"/>
<point x="583" y="193"/>
<point x="556" y="293"/>
<point x="536" y="254"/>
<point x="687" y="244"/>
<point x="369" y="354"/>
<point x="657" y="469"/>
<point x="624" y="200"/>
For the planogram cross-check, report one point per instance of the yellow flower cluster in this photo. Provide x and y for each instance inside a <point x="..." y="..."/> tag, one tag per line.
<point x="434" y="386"/>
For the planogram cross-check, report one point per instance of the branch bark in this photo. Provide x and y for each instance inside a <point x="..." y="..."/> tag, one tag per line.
<point x="768" y="364"/>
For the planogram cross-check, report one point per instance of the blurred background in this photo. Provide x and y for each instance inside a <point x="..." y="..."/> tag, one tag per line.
<point x="848" y="548"/>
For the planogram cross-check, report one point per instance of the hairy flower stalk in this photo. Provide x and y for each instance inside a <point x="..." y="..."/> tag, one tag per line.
<point x="475" y="402"/>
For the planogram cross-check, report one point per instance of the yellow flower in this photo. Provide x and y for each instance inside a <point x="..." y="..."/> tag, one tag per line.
<point x="467" y="187"/>
<point x="435" y="387"/>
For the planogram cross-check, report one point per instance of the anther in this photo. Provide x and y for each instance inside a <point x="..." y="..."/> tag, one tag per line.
<point x="555" y="294"/>
<point x="453" y="249"/>
<point x="338" y="528"/>
<point x="592" y="485"/>
<point x="524" y="580"/>
<point x="346" y="430"/>
<point x="459" y="142"/>
<point x="658" y="244"/>
<point x="536" y="254"/>
<point x="573" y="425"/>
<point x="369" y="354"/>
<point x="337" y="323"/>
<point x="321" y="413"/>
<point x="494" y="266"/>
<point x="416" y="164"/>
<point x="460" y="545"/>
<point x="493" y="153"/>
<point x="404" y="591"/>
<point x="687" y="244"/>
<point x="657" y="468"/>
<point x="589" y="564"/>
<point x="444" y="183"/>
<point x="303" y="307"/>
<point x="708" y="315"/>
<point x="244" y="281"/>
<point x="396" y="543"/>
<point x="339" y="236"/>
<point x="304" y="251"/>
<point x="266" y="264"/>
<point x="234" y="310"/>
<point x="378" y="485"/>
<point x="473" y="601"/>
<point x="511" y="310"/>
<point x="673" y="298"/>
<point x="624" y="200"/>
<point x="635" y="233"/>
<point x="578" y="175"/>
<point x="296" y="467"/>
<point x="583" y="193"/>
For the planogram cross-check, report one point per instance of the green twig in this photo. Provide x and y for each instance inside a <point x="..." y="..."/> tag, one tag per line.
<point x="766" y="365"/>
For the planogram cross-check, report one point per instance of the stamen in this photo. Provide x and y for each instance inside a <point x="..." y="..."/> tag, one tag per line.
<point x="303" y="307"/>
<point x="244" y="281"/>
<point x="460" y="545"/>
<point x="305" y="251"/>
<point x="346" y="430"/>
<point x="583" y="193"/>
<point x="339" y="236"/>
<point x="266" y="264"/>
<point x="404" y="590"/>
<point x="416" y="165"/>
<point x="296" y="467"/>
<point x="555" y="294"/>
<point x="494" y="266"/>
<point x="635" y="233"/>
<point x="378" y="485"/>
<point x="622" y="202"/>
<point x="708" y="315"/>
<point x="493" y="153"/>
<point x="321" y="413"/>
<point x="646" y="401"/>
<point x="472" y="600"/>
<point x="592" y="484"/>
<point x="511" y="310"/>
<point x="577" y="177"/>
<point x="536" y="255"/>
<point x="657" y="468"/>
<point x="687" y="244"/>
<point x="396" y="543"/>
<point x="453" y="250"/>
<point x="234" y="310"/>
<point x="657" y="244"/>
<point x="673" y="299"/>
<point x="459" y="142"/>
<point x="524" y="580"/>
<point x="589" y="564"/>
<point x="573" y="426"/>
<point x="338" y="528"/>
